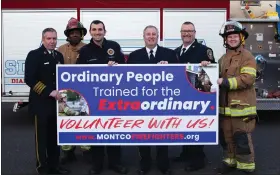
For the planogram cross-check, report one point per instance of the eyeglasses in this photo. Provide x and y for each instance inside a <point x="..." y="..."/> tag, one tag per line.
<point x="187" y="31"/>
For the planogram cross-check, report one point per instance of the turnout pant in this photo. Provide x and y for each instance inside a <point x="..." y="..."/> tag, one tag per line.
<point x="113" y="153"/>
<point x="238" y="146"/>
<point x="72" y="148"/>
<point x="47" y="150"/>
<point x="146" y="159"/>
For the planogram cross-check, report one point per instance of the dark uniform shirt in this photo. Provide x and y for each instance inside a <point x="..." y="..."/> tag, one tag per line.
<point x="40" y="76"/>
<point x="196" y="53"/>
<point x="141" y="56"/>
<point x="94" y="54"/>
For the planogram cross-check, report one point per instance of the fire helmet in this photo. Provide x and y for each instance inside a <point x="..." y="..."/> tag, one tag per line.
<point x="74" y="24"/>
<point x="233" y="27"/>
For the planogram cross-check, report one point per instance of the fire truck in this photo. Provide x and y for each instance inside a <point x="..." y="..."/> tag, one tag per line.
<point x="23" y="22"/>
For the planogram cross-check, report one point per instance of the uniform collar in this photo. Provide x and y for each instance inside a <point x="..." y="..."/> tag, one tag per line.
<point x="235" y="52"/>
<point x="103" y="43"/>
<point x="154" y="50"/>
<point x="187" y="47"/>
<point x="43" y="48"/>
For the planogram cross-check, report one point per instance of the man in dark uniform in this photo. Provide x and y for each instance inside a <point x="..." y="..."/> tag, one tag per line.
<point x="152" y="53"/>
<point x="102" y="51"/>
<point x="191" y="51"/>
<point x="40" y="76"/>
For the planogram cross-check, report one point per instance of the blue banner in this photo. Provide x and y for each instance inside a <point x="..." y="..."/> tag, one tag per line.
<point x="137" y="105"/>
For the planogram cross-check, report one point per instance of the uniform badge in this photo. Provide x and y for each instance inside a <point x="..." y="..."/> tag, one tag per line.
<point x="210" y="54"/>
<point x="110" y="52"/>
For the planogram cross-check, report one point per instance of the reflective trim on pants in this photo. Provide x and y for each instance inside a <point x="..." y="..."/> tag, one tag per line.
<point x="248" y="167"/>
<point x="84" y="147"/>
<point x="230" y="162"/>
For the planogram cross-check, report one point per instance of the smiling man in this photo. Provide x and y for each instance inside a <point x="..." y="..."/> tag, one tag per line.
<point x="191" y="51"/>
<point x="102" y="51"/>
<point x="152" y="53"/>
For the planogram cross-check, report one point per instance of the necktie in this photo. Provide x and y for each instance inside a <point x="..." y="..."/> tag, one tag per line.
<point x="152" y="55"/>
<point x="183" y="51"/>
<point x="52" y="53"/>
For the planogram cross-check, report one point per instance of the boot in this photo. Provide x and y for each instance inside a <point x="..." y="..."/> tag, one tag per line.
<point x="68" y="156"/>
<point x="224" y="169"/>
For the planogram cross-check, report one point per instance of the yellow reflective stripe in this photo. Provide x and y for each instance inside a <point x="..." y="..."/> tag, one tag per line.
<point x="230" y="161"/>
<point x="36" y="144"/>
<point x="232" y="83"/>
<point x="248" y="70"/>
<point x="246" y="166"/>
<point x="61" y="114"/>
<point x="39" y="87"/>
<point x="66" y="147"/>
<point x="66" y="109"/>
<point x="252" y="110"/>
<point x="85" y="147"/>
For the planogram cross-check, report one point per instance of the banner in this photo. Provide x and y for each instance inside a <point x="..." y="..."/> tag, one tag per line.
<point x="137" y="104"/>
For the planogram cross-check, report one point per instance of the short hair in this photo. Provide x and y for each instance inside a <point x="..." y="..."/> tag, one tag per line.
<point x="49" y="29"/>
<point x="97" y="22"/>
<point x="150" y="26"/>
<point x="189" y="23"/>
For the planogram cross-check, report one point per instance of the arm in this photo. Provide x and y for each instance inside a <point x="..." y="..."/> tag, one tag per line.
<point x="31" y="76"/>
<point x="82" y="59"/>
<point x="130" y="58"/>
<point x="173" y="57"/>
<point x="120" y="58"/>
<point x="245" y="79"/>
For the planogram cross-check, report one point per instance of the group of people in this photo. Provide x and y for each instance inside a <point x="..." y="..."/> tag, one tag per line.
<point x="237" y="96"/>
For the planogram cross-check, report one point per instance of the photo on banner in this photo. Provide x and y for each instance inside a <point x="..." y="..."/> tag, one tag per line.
<point x="137" y="105"/>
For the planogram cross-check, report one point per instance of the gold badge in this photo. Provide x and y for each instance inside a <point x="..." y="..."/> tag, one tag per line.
<point x="110" y="52"/>
<point x="210" y="54"/>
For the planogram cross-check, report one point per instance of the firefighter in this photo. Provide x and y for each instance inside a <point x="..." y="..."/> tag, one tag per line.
<point x="40" y="76"/>
<point x="203" y="82"/>
<point x="64" y="110"/>
<point x="83" y="105"/>
<point x="191" y="51"/>
<point x="103" y="51"/>
<point x="237" y="101"/>
<point x="75" y="33"/>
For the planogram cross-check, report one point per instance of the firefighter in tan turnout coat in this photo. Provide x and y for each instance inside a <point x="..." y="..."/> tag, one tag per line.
<point x="75" y="33"/>
<point x="237" y="102"/>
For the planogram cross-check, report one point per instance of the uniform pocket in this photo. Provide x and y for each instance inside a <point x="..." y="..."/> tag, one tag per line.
<point x="231" y="72"/>
<point x="237" y="100"/>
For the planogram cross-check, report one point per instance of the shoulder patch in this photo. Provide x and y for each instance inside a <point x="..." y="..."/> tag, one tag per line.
<point x="210" y="54"/>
